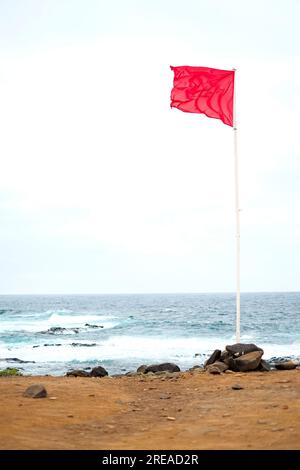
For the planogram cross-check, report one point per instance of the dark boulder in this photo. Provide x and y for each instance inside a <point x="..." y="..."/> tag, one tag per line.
<point x="78" y="373"/>
<point x="286" y="365"/>
<point x="35" y="391"/>
<point x="239" y="349"/>
<point x="213" y="358"/>
<point x="141" y="369"/>
<point x="168" y="367"/>
<point x="249" y="361"/>
<point x="98" y="372"/>
<point x="225" y="355"/>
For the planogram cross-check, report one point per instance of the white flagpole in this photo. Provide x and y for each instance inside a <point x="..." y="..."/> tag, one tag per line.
<point x="237" y="212"/>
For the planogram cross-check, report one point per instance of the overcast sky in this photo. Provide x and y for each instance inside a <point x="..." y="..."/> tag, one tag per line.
<point x="104" y="188"/>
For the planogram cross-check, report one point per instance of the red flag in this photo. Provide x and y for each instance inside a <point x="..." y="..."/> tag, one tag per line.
<point x="204" y="90"/>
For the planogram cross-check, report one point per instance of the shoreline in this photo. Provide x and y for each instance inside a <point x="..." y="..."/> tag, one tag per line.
<point x="181" y="410"/>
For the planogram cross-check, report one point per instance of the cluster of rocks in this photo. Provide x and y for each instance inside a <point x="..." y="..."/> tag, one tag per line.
<point x="243" y="358"/>
<point x="95" y="372"/>
<point x="58" y="330"/>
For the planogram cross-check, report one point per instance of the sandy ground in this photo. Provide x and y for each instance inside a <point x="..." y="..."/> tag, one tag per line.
<point x="134" y="412"/>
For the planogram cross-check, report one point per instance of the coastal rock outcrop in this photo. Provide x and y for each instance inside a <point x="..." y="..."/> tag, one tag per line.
<point x="237" y="357"/>
<point x="35" y="391"/>
<point x="166" y="367"/>
<point x="98" y="372"/>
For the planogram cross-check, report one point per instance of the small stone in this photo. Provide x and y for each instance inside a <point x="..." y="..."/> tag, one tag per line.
<point x="165" y="397"/>
<point x="226" y="415"/>
<point x="70" y="416"/>
<point x="285" y="407"/>
<point x="228" y="371"/>
<point x="277" y="429"/>
<point x="237" y="387"/>
<point x="262" y="421"/>
<point x="52" y="398"/>
<point x="35" y="391"/>
<point x="171" y="418"/>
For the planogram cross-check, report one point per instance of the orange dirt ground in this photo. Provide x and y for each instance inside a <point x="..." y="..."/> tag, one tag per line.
<point x="138" y="412"/>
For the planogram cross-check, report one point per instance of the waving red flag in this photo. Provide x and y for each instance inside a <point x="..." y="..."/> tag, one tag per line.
<point x="204" y="90"/>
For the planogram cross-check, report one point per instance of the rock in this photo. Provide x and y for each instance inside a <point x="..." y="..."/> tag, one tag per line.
<point x="85" y="345"/>
<point x="171" y="418"/>
<point x="213" y="370"/>
<point x="239" y="349"/>
<point x="169" y="367"/>
<point x="217" y="365"/>
<point x="249" y="361"/>
<point x="264" y="366"/>
<point x="228" y="371"/>
<point x="58" y="330"/>
<point x="98" y="372"/>
<point x="287" y="365"/>
<point x="237" y="387"/>
<point x="78" y="373"/>
<point x="53" y="330"/>
<point x="142" y="369"/>
<point x="213" y="358"/>
<point x="35" y="391"/>
<point x="93" y="326"/>
<point x="165" y="397"/>
<point x="225" y="355"/>
<point x="196" y="369"/>
<point x="16" y="359"/>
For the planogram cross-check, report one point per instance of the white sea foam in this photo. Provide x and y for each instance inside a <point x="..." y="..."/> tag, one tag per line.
<point x="180" y="350"/>
<point x="57" y="320"/>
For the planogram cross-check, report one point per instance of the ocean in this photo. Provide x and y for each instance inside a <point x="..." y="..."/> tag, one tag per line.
<point x="121" y="332"/>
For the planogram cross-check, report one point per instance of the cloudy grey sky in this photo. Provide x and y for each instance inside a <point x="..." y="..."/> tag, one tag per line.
<point x="104" y="188"/>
